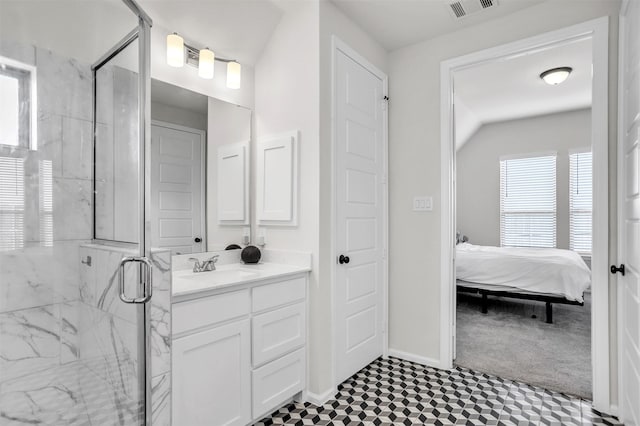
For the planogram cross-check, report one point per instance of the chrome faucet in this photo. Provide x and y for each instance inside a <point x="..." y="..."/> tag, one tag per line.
<point x="205" y="265"/>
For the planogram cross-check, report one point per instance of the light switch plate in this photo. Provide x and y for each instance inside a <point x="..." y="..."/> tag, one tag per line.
<point x="422" y="204"/>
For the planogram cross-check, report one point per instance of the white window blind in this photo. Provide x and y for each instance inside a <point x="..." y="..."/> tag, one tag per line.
<point x="528" y="202"/>
<point x="580" y="201"/>
<point x="11" y="203"/>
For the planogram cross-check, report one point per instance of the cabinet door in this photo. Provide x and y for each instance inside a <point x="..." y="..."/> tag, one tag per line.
<point x="211" y="377"/>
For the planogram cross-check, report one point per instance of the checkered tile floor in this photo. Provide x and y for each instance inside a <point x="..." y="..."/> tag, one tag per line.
<point x="396" y="392"/>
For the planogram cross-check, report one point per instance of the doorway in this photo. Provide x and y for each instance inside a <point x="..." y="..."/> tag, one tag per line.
<point x="597" y="32"/>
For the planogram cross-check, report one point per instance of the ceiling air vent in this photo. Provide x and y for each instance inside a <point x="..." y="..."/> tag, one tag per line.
<point x="462" y="8"/>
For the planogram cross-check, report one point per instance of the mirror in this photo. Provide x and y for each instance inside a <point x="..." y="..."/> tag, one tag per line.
<point x="200" y="162"/>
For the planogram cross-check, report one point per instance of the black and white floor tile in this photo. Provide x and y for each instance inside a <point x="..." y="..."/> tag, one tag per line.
<point x="395" y="392"/>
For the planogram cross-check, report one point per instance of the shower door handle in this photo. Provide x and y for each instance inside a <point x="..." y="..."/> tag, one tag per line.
<point x="145" y="277"/>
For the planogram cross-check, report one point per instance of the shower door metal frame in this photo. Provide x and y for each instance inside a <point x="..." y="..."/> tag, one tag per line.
<point x="142" y="33"/>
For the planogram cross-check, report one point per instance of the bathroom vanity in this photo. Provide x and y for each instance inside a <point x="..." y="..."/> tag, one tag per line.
<point x="238" y="342"/>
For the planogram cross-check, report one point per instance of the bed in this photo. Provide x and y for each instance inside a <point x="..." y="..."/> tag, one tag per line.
<point x="542" y="274"/>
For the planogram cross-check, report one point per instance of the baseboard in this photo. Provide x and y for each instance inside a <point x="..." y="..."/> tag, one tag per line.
<point x="418" y="359"/>
<point x="322" y="398"/>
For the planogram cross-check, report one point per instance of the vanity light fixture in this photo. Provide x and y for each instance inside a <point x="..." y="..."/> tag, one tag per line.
<point x="179" y="53"/>
<point x="205" y="63"/>
<point x="175" y="50"/>
<point x="234" y="71"/>
<point x="555" y="76"/>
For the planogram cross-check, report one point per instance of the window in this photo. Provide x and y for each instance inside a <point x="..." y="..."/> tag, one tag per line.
<point x="580" y="204"/>
<point x="17" y="104"/>
<point x="528" y="201"/>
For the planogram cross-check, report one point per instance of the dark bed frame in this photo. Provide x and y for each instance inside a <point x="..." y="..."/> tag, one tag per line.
<point x="538" y="297"/>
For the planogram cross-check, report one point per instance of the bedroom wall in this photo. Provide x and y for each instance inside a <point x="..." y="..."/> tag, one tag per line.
<point x="414" y="163"/>
<point x="478" y="169"/>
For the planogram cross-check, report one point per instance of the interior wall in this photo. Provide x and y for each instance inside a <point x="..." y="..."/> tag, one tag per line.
<point x="415" y="161"/>
<point x="478" y="169"/>
<point x="333" y="22"/>
<point x="179" y="116"/>
<point x="286" y="99"/>
<point x="92" y="28"/>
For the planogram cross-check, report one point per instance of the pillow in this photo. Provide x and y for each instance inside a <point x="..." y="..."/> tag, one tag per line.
<point x="460" y="238"/>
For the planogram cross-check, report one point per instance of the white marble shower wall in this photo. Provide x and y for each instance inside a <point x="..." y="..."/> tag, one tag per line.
<point x="109" y="335"/>
<point x="69" y="348"/>
<point x="47" y="218"/>
<point x="117" y="153"/>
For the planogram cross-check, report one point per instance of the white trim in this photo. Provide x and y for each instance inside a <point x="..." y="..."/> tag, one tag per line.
<point x="597" y="30"/>
<point x="320" y="399"/>
<point x="418" y="359"/>
<point x="622" y="25"/>
<point x="528" y="155"/>
<point x="203" y="172"/>
<point x="338" y="45"/>
<point x="579" y="150"/>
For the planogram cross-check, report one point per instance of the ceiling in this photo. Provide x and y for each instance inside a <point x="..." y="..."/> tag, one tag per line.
<point x="168" y="94"/>
<point x="511" y="89"/>
<point x="398" y="23"/>
<point x="237" y="29"/>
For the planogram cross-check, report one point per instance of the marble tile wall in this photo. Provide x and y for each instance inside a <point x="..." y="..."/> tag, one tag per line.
<point x="117" y="154"/>
<point x="109" y="336"/>
<point x="40" y="273"/>
<point x="40" y="270"/>
<point x="69" y="348"/>
<point x="161" y="339"/>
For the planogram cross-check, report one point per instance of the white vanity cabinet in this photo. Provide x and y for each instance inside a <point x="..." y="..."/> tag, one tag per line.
<point x="239" y="353"/>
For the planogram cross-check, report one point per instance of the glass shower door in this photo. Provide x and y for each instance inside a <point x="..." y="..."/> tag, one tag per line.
<point x="121" y="128"/>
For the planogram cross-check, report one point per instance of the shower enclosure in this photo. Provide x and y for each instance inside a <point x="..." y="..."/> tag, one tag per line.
<point x="77" y="273"/>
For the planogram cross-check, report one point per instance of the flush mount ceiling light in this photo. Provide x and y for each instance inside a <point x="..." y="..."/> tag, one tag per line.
<point x="175" y="50"/>
<point x="555" y="76"/>
<point x="179" y="53"/>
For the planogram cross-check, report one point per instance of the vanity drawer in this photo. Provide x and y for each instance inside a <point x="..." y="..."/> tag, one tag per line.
<point x="277" y="294"/>
<point x="277" y="382"/>
<point x="277" y="332"/>
<point x="198" y="313"/>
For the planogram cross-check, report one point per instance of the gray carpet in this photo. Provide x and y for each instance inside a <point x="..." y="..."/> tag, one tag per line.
<point x="509" y="343"/>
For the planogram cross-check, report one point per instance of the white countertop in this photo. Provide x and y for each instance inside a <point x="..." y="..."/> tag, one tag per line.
<point x="188" y="285"/>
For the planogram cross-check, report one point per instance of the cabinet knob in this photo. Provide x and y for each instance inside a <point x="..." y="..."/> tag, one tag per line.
<point x="197" y="239"/>
<point x="343" y="259"/>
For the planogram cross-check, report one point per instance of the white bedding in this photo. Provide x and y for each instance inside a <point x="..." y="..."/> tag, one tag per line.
<point x="537" y="270"/>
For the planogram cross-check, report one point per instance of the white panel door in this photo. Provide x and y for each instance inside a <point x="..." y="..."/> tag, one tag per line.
<point x="211" y="373"/>
<point x="629" y="284"/>
<point x="359" y="215"/>
<point x="177" y="157"/>
<point x="233" y="185"/>
<point x="277" y="180"/>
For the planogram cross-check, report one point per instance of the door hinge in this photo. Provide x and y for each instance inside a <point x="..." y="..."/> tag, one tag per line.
<point x="384" y="253"/>
<point x="383" y="179"/>
<point x="385" y="103"/>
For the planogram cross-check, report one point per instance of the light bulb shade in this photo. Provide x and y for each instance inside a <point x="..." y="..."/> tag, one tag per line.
<point x="233" y="75"/>
<point x="556" y="76"/>
<point x="175" y="50"/>
<point x="205" y="63"/>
